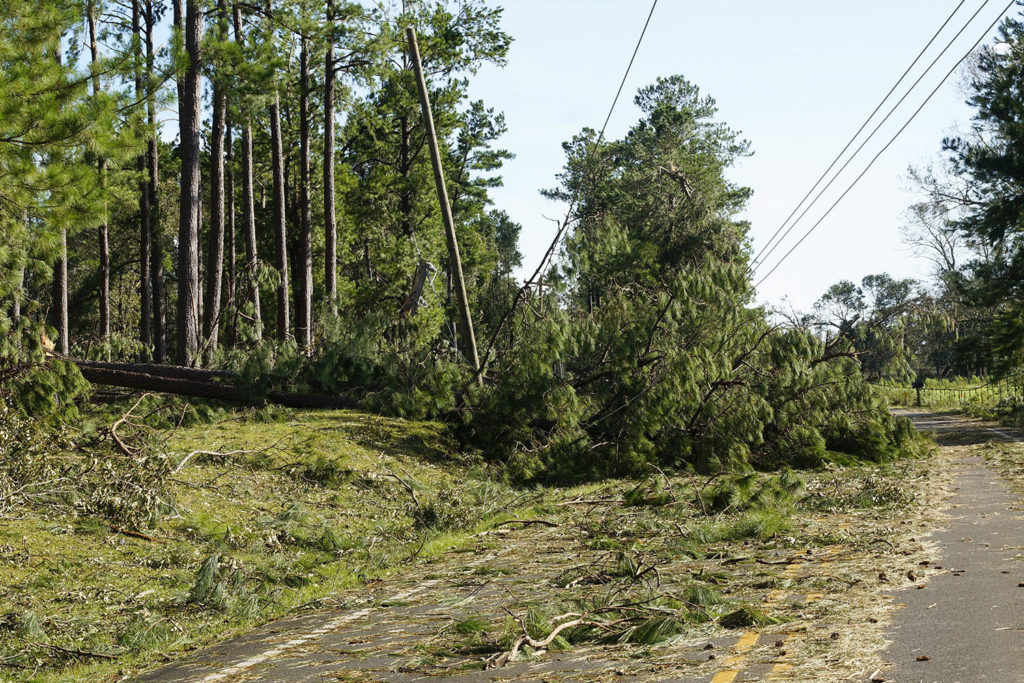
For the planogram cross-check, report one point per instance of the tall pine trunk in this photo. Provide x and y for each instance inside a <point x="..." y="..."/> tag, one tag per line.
<point x="330" y="219"/>
<point x="153" y="162"/>
<point x="280" y="219"/>
<point x="101" y="167"/>
<point x="249" y="208"/>
<point x="60" y="295"/>
<point x="188" y="217"/>
<point x="304" y="316"/>
<point x="230" y="318"/>
<point x="59" y="311"/>
<point x="215" y="243"/>
<point x="145" y="287"/>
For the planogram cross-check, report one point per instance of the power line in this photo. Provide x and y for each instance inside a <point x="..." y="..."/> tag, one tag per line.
<point x="629" y="68"/>
<point x="868" y="139"/>
<point x="572" y="204"/>
<point x="600" y="139"/>
<point x="887" y="145"/>
<point x="859" y="131"/>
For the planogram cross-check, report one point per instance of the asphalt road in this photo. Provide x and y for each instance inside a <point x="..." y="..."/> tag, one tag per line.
<point x="967" y="623"/>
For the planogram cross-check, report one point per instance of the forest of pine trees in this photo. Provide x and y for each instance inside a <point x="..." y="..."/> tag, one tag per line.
<point x="290" y="233"/>
<point x="297" y="184"/>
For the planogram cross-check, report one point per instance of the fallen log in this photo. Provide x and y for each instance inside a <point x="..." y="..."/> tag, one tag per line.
<point x="172" y="371"/>
<point x="158" y="383"/>
<point x="103" y="373"/>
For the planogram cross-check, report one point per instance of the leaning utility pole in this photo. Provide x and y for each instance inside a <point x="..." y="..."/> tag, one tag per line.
<point x="446" y="208"/>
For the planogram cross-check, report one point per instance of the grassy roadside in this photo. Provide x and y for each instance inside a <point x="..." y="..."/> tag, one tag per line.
<point x="271" y="517"/>
<point x="306" y="510"/>
<point x="974" y="397"/>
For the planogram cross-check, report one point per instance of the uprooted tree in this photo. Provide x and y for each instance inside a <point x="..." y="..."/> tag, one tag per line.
<point x="645" y="349"/>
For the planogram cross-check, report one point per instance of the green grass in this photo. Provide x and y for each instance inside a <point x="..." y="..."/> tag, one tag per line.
<point x="312" y="506"/>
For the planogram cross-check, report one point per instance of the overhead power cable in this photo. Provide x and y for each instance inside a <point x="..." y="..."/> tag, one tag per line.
<point x="860" y="130"/>
<point x="573" y="202"/>
<point x="888" y="144"/>
<point x="864" y="143"/>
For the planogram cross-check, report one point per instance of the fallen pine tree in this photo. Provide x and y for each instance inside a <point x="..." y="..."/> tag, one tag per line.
<point x="209" y="384"/>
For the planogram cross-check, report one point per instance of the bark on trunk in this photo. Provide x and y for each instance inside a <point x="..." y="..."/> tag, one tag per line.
<point x="188" y="217"/>
<point x="330" y="219"/>
<point x="304" y="317"/>
<point x="60" y="295"/>
<point x="230" y="317"/>
<point x="101" y="167"/>
<point x="170" y="371"/>
<point x="153" y="161"/>
<point x="60" y="282"/>
<point x="135" y="377"/>
<point x="141" y="165"/>
<point x="280" y="219"/>
<point x="249" y="209"/>
<point x="215" y="243"/>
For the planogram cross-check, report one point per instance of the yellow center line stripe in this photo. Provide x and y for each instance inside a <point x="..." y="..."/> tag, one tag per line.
<point x="782" y="667"/>
<point x="746" y="642"/>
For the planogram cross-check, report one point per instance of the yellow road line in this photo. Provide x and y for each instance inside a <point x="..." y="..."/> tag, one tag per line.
<point x="746" y="642"/>
<point x="782" y="667"/>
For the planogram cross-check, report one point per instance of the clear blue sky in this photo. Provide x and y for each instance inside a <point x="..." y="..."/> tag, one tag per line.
<point x="797" y="77"/>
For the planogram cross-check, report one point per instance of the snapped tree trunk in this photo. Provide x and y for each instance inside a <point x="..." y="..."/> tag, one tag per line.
<point x="188" y="216"/>
<point x="330" y="219"/>
<point x="304" y="316"/>
<point x="193" y="382"/>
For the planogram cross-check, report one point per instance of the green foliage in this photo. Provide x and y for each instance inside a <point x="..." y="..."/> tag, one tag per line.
<point x="472" y="625"/>
<point x="745" y="617"/>
<point x="444" y="510"/>
<point x="703" y="595"/>
<point x="45" y="388"/>
<point x="644" y="349"/>
<point x="218" y="583"/>
<point x="872" y="321"/>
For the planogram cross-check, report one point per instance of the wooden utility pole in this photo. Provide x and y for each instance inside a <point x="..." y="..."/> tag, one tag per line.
<point x="446" y="208"/>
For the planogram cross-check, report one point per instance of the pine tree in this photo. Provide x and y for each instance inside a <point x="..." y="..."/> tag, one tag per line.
<point x="215" y="241"/>
<point x="188" y="20"/>
<point x="102" y="234"/>
<point x="304" y="314"/>
<point x="991" y="161"/>
<point x="252" y="263"/>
